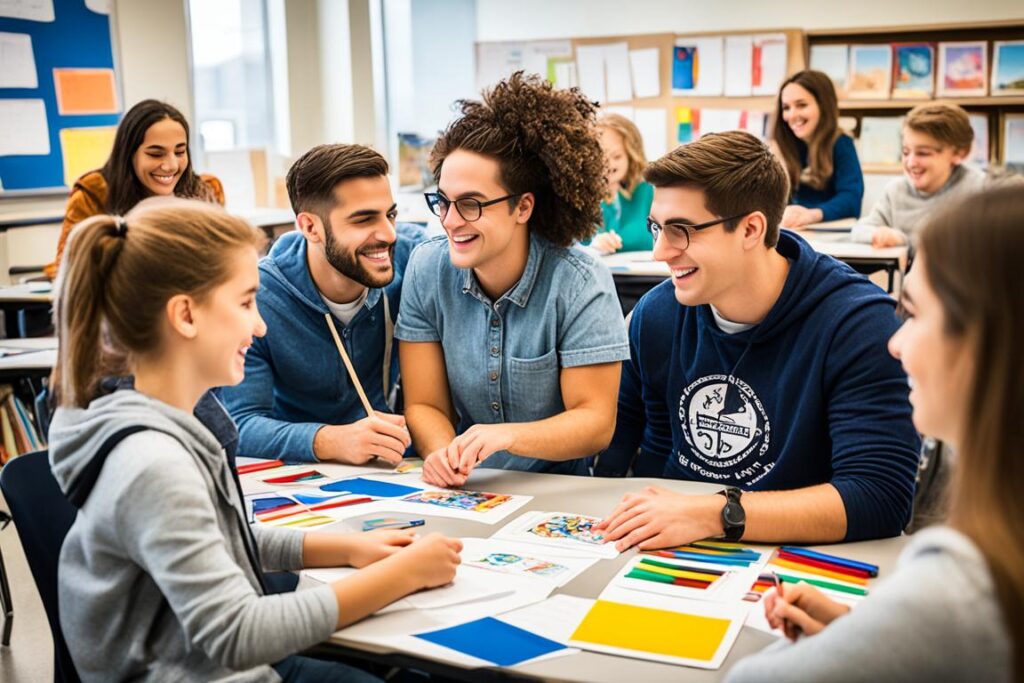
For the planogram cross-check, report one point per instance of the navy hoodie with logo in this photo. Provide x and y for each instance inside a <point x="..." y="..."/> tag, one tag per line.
<point x="808" y="396"/>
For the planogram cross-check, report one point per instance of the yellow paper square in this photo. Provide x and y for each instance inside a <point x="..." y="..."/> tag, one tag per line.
<point x="645" y="629"/>
<point x="684" y="115"/>
<point x="84" y="150"/>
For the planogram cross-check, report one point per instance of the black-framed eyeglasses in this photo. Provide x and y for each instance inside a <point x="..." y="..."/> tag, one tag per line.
<point x="678" y="234"/>
<point x="469" y="208"/>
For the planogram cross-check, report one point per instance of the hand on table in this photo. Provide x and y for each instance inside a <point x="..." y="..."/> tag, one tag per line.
<point x="371" y="546"/>
<point x="380" y="435"/>
<point x="607" y="242"/>
<point x="656" y="517"/>
<point x="432" y="560"/>
<point x="804" y="609"/>
<point x="796" y="216"/>
<point x="452" y="465"/>
<point x="887" y="237"/>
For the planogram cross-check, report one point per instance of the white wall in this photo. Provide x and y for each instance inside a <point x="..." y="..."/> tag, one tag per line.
<point x="536" y="19"/>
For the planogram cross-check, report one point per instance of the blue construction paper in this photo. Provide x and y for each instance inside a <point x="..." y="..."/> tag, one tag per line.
<point x="310" y="499"/>
<point x="263" y="504"/>
<point x="493" y="641"/>
<point x="369" y="487"/>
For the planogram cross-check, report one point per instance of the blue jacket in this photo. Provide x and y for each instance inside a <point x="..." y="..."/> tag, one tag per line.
<point x="842" y="195"/>
<point x="808" y="396"/>
<point x="295" y="381"/>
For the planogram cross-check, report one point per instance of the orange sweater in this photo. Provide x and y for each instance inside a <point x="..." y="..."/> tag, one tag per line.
<point x="89" y="198"/>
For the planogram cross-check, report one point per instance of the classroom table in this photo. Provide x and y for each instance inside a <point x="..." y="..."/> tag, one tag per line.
<point x="592" y="496"/>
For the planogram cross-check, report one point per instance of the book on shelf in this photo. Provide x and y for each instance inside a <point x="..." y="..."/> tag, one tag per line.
<point x="18" y="434"/>
<point x="880" y="142"/>
<point x="870" y="72"/>
<point x="834" y="62"/>
<point x="913" y="70"/>
<point x="1008" y="67"/>
<point x="963" y="66"/>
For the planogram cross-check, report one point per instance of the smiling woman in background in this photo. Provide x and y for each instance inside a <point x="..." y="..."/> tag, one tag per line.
<point x="820" y="159"/>
<point x="150" y="157"/>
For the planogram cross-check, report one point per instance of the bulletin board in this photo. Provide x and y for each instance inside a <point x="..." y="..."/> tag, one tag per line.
<point x="530" y="54"/>
<point x="60" y="101"/>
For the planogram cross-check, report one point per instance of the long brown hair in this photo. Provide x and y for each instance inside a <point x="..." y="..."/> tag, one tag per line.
<point x="972" y="255"/>
<point x="819" y="148"/>
<point x="117" y="276"/>
<point x="633" y="144"/>
<point x="125" y="190"/>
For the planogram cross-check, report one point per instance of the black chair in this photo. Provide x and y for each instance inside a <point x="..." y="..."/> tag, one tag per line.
<point x="42" y="516"/>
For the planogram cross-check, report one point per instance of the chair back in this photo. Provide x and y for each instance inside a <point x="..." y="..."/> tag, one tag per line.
<point x="42" y="516"/>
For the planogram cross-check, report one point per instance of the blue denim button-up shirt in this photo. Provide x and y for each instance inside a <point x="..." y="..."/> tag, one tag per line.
<point x="503" y="357"/>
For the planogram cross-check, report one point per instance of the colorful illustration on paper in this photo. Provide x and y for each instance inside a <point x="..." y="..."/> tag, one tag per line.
<point x="572" y="527"/>
<point x="299" y="477"/>
<point x="473" y="501"/>
<point x="965" y="67"/>
<point x="510" y="563"/>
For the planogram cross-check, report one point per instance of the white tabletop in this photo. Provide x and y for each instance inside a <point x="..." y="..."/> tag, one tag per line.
<point x="35" y="353"/>
<point x="29" y="292"/>
<point x="598" y="496"/>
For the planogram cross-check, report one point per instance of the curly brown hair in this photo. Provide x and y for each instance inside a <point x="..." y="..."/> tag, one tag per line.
<point x="545" y="142"/>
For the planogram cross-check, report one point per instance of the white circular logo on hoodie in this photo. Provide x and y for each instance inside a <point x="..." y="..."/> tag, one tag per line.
<point x="723" y="421"/>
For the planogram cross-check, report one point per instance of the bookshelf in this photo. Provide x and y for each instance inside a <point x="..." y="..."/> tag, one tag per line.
<point x="992" y="107"/>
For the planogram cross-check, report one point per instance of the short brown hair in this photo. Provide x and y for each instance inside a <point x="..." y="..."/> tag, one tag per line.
<point x="633" y="143"/>
<point x="737" y="173"/>
<point x="118" y="274"/>
<point x="312" y="178"/>
<point x="545" y="142"/>
<point x="947" y="123"/>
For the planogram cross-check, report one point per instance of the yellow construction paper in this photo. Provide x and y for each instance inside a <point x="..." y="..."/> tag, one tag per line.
<point x="645" y="629"/>
<point x="84" y="150"/>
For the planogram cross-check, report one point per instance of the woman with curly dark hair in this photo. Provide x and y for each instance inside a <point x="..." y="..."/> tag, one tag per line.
<point x="511" y="338"/>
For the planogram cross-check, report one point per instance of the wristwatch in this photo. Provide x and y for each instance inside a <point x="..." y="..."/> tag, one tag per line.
<point x="734" y="519"/>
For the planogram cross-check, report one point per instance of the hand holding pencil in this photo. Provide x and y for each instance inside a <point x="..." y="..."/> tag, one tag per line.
<point x="800" y="609"/>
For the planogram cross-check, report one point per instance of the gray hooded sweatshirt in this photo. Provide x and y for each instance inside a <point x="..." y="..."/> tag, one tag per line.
<point x="155" y="581"/>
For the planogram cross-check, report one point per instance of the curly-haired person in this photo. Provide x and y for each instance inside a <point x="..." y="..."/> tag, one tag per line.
<point x="511" y="338"/>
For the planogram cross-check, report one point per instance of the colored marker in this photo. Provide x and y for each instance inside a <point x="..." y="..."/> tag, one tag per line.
<point x="258" y="466"/>
<point x="391" y="523"/>
<point x="821" y="564"/>
<point x="820" y="572"/>
<point x="714" y="559"/>
<point x="871" y="569"/>
<point x="669" y="565"/>
<point x="852" y="590"/>
<point x="661" y="578"/>
<point x="696" y="576"/>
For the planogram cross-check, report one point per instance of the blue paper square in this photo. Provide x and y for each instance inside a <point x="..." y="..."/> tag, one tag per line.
<point x="369" y="487"/>
<point x="493" y="640"/>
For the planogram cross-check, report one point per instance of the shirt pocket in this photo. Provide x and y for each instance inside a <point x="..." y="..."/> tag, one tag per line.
<point x="534" y="388"/>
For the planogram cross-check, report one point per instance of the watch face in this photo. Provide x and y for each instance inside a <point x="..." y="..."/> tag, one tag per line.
<point x="733" y="514"/>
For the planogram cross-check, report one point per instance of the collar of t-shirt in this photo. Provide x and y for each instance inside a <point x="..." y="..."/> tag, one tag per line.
<point x="345" y="312"/>
<point x="728" y="326"/>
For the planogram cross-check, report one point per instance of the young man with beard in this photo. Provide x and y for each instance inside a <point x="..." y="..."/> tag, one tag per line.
<point x="760" y="366"/>
<point x="342" y="267"/>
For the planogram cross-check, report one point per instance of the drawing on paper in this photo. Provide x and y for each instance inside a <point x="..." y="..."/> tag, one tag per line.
<point x="460" y="500"/>
<point x="511" y="563"/>
<point x="573" y="527"/>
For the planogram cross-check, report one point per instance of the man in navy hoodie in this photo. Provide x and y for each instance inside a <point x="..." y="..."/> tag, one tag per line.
<point x="761" y="366"/>
<point x="341" y="268"/>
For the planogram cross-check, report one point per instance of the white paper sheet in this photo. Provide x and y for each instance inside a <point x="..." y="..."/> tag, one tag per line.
<point x="710" y="67"/>
<point x="834" y="61"/>
<point x="1013" y="139"/>
<point x="99" y="6"/>
<point x="565" y="75"/>
<point x="487" y="516"/>
<point x="653" y="124"/>
<point x="738" y="66"/>
<point x="736" y="614"/>
<point x="772" y="62"/>
<point x="719" y="120"/>
<point x="32" y="10"/>
<point x="23" y="128"/>
<point x="731" y="587"/>
<point x="528" y="563"/>
<point x="590" y="71"/>
<point x="555" y="618"/>
<point x="542" y="528"/>
<point x="17" y="62"/>
<point x="645" y="67"/>
<point x="618" y="81"/>
<point x="755" y="123"/>
<point x="470" y="584"/>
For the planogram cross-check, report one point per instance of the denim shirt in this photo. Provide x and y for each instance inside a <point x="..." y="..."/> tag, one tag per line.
<point x="503" y="357"/>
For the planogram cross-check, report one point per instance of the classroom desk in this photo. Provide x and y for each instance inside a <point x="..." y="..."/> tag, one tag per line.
<point x="592" y="496"/>
<point x="36" y="295"/>
<point x="39" y="359"/>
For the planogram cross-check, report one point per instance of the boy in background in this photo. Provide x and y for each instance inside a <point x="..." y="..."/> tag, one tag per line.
<point x="937" y="139"/>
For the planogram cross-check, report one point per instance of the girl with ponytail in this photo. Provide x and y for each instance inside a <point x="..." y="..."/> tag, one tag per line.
<point x="512" y="338"/>
<point x="161" y="576"/>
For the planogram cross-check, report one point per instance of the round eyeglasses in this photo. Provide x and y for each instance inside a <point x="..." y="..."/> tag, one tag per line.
<point x="678" y="234"/>
<point x="469" y="208"/>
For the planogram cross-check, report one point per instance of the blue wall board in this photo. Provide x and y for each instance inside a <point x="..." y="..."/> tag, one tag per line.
<point x="77" y="38"/>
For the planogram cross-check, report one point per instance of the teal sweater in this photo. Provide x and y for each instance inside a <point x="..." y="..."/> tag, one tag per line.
<point x="628" y="218"/>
